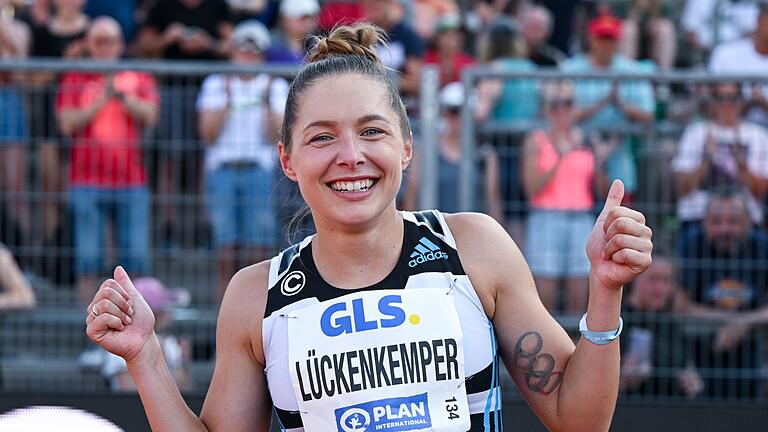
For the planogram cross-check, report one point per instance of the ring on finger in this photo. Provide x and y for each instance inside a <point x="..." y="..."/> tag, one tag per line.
<point x="95" y="311"/>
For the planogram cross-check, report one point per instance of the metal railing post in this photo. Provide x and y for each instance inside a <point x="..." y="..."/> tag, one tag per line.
<point x="429" y="134"/>
<point x="467" y="164"/>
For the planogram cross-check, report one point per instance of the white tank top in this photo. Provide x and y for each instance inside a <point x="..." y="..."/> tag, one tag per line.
<point x="415" y="351"/>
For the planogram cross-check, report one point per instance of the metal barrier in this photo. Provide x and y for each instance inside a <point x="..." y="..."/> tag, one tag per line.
<point x="677" y="155"/>
<point x="43" y="349"/>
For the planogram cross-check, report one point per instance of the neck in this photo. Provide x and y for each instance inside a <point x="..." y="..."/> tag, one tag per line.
<point x="761" y="45"/>
<point x="68" y="16"/>
<point x="728" y="123"/>
<point x="600" y="62"/>
<point x="561" y="130"/>
<point x="360" y="256"/>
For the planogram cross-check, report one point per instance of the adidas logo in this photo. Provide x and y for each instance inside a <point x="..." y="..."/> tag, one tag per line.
<point x="426" y="251"/>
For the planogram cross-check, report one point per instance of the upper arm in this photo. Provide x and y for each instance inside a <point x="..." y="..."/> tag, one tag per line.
<point x="534" y="347"/>
<point x="238" y="399"/>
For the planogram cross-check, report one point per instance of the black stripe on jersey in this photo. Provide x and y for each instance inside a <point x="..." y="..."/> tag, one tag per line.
<point x="289" y="419"/>
<point x="288" y="255"/>
<point x="477" y="422"/>
<point x="480" y="381"/>
<point x="428" y="217"/>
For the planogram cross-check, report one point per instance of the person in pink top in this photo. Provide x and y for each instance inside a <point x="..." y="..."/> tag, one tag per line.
<point x="560" y="175"/>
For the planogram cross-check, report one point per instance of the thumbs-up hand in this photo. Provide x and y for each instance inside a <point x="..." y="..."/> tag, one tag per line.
<point x="118" y="318"/>
<point x="619" y="247"/>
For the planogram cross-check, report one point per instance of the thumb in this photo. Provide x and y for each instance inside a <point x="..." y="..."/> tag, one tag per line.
<point x="615" y="195"/>
<point x="121" y="276"/>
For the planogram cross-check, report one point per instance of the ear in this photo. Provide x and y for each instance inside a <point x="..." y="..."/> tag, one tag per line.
<point x="407" y="151"/>
<point x="285" y="161"/>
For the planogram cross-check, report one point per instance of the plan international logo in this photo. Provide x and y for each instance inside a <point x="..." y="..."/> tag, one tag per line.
<point x="425" y="251"/>
<point x="385" y="415"/>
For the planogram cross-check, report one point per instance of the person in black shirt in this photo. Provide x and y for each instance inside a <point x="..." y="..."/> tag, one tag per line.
<point x="186" y="30"/>
<point x="723" y="270"/>
<point x="181" y="30"/>
<point x="405" y="48"/>
<point x="536" y="27"/>
<point x="654" y="359"/>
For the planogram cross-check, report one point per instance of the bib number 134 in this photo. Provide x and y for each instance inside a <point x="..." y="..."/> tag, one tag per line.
<point x="451" y="406"/>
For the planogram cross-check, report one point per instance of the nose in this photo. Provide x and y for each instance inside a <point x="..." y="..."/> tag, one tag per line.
<point x="350" y="151"/>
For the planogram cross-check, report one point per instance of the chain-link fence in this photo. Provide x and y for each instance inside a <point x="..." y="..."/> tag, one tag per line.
<point x="534" y="150"/>
<point x="692" y="153"/>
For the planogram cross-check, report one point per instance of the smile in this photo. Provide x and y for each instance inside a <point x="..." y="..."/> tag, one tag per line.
<point x="362" y="185"/>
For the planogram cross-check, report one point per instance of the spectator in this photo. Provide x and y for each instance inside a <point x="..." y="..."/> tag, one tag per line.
<point x="564" y="12"/>
<point x="649" y="34"/>
<point x="261" y="10"/>
<point x="106" y="114"/>
<point x="61" y="36"/>
<point x="724" y="149"/>
<point x="427" y="14"/>
<point x="654" y="360"/>
<point x="238" y="119"/>
<point x="536" y="28"/>
<point x="176" y="351"/>
<point x="16" y="292"/>
<point x="123" y="11"/>
<point x="405" y="50"/>
<point x="514" y="102"/>
<point x="337" y="12"/>
<point x="14" y="137"/>
<point x="186" y="30"/>
<point x="449" y="159"/>
<point x="707" y="23"/>
<point x="748" y="56"/>
<point x="606" y="106"/>
<point x="723" y="270"/>
<point x="181" y="30"/>
<point x="298" y="21"/>
<point x="560" y="175"/>
<point x="449" y="53"/>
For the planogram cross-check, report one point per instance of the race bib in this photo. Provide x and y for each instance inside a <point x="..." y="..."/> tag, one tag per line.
<point x="383" y="361"/>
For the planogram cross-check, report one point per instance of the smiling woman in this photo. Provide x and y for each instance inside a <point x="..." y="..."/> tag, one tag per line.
<point x="384" y="320"/>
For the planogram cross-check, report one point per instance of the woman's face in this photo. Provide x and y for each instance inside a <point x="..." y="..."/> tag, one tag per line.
<point x="560" y="109"/>
<point x="347" y="152"/>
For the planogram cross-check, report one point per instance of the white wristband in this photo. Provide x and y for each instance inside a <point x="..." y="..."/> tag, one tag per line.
<point x="599" y="337"/>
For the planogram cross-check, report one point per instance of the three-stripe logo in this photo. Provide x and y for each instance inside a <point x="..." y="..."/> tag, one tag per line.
<point x="425" y="251"/>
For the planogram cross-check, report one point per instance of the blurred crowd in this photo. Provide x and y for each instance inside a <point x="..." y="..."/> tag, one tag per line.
<point x="103" y="167"/>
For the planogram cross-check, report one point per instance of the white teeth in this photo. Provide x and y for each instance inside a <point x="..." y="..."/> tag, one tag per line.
<point x="356" y="186"/>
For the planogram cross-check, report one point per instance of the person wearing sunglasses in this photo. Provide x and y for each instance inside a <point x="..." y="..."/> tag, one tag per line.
<point x="722" y="150"/>
<point x="560" y="175"/>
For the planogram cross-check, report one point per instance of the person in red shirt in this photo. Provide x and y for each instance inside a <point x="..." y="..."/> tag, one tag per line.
<point x="105" y="114"/>
<point x="448" y="52"/>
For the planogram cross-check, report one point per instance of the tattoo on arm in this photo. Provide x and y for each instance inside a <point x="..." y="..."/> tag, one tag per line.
<point x="538" y="368"/>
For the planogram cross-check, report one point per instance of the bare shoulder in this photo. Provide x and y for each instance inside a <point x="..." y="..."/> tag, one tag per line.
<point x="481" y="240"/>
<point x="489" y="255"/>
<point x="243" y="307"/>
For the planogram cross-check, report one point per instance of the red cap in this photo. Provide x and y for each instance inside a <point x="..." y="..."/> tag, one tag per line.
<point x="605" y="26"/>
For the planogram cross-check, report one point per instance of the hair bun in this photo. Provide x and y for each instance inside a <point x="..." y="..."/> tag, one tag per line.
<point x="355" y="39"/>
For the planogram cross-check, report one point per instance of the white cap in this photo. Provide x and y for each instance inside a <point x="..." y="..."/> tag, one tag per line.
<point x="452" y="95"/>
<point x="299" y="8"/>
<point x="251" y="35"/>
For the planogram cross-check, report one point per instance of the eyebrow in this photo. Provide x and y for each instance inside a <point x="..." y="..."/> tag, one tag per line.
<point x="361" y="120"/>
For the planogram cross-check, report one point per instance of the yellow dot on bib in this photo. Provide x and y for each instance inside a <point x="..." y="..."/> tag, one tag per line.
<point x="414" y="319"/>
